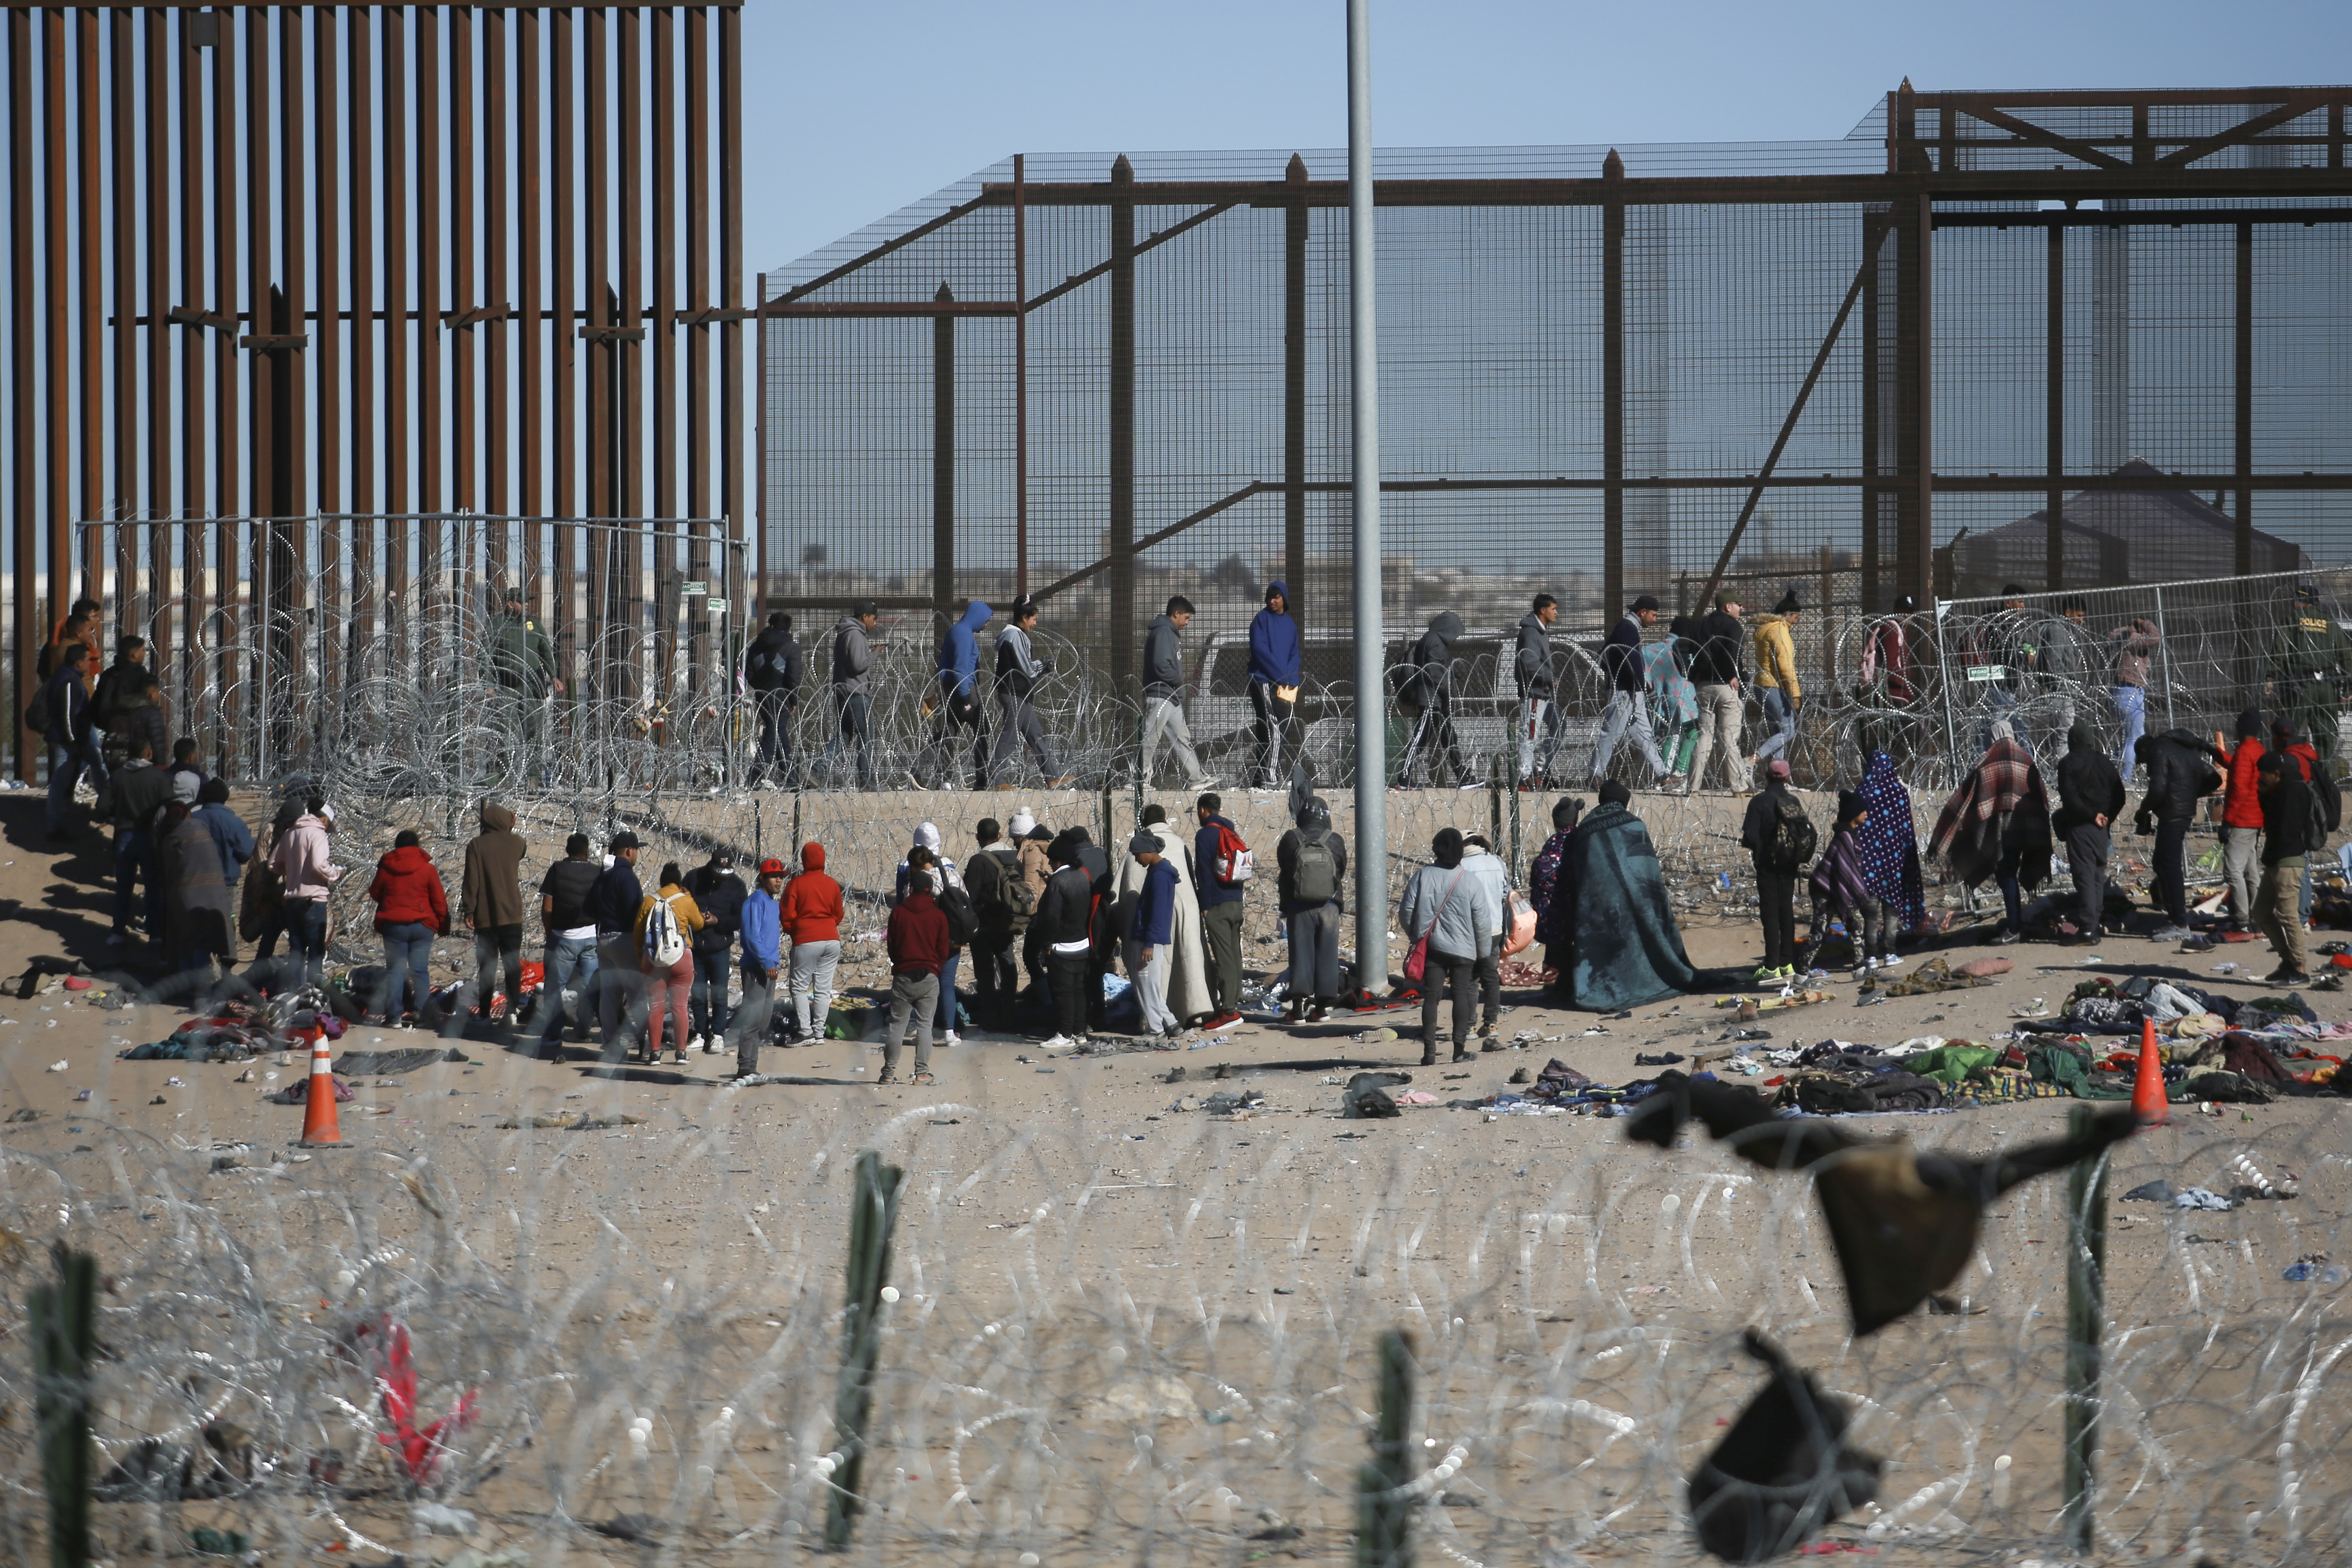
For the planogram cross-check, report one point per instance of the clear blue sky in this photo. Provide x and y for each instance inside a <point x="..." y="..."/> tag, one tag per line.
<point x="852" y="111"/>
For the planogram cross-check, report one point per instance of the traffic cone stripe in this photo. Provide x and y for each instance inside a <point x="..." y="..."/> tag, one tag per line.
<point x="320" y="1128"/>
<point x="2147" y="1088"/>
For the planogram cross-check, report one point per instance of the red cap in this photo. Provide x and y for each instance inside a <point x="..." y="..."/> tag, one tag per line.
<point x="771" y="868"/>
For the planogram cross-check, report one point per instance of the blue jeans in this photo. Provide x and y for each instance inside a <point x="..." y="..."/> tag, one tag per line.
<point x="407" y="952"/>
<point x="306" y="939"/>
<point x="855" y="735"/>
<point x="134" y="861"/>
<point x="66" y="764"/>
<point x="2131" y="706"/>
<point x="569" y="959"/>
<point x="1780" y="718"/>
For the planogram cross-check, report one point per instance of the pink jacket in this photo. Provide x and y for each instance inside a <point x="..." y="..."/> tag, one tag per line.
<point x="300" y="858"/>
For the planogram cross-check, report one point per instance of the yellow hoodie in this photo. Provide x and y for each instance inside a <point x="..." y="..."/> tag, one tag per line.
<point x="1776" y="655"/>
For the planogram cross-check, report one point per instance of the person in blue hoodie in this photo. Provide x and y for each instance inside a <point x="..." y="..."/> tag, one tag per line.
<point x="1152" y="930"/>
<point x="958" y="699"/>
<point x="1273" y="670"/>
<point x="762" y="933"/>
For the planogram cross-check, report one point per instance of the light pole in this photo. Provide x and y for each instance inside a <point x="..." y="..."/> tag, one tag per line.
<point x="1372" y="692"/>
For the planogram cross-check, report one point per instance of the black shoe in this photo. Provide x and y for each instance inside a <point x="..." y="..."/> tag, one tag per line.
<point x="2007" y="937"/>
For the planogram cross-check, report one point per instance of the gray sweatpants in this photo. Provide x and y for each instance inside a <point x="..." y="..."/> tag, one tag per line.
<point x="2242" y="868"/>
<point x="813" y="966"/>
<point x="919" y="996"/>
<point x="1165" y="716"/>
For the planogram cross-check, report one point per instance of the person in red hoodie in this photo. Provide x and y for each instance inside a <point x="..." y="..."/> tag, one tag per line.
<point x="411" y="909"/>
<point x="2241" y="821"/>
<point x="918" y="941"/>
<point x="2284" y="739"/>
<point x="810" y="920"/>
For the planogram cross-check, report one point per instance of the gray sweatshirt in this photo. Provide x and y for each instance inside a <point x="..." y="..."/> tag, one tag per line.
<point x="852" y="656"/>
<point x="1163" y="659"/>
<point x="1458" y="925"/>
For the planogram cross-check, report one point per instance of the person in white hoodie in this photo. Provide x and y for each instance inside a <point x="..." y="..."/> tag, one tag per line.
<point x="943" y="877"/>
<point x="1494" y="880"/>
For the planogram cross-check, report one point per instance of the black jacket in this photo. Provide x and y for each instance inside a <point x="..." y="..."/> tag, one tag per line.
<point x="2088" y="784"/>
<point x="1532" y="661"/>
<point x="1285" y="860"/>
<point x="1432" y="658"/>
<point x="1066" y="911"/>
<point x="774" y="663"/>
<point x="1715" y="649"/>
<point x="1621" y="656"/>
<point x="2286" y="822"/>
<point x="719" y="896"/>
<point x="615" y="899"/>
<point x="2180" y="772"/>
<point x="1763" y="814"/>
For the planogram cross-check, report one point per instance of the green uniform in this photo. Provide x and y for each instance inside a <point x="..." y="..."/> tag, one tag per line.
<point x="2307" y="666"/>
<point x="522" y="661"/>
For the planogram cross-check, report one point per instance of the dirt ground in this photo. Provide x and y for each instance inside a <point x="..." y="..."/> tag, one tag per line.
<point x="1071" y="1243"/>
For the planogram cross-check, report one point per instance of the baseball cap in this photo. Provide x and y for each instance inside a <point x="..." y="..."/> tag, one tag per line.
<point x="1646" y="602"/>
<point x="771" y="868"/>
<point x="1779" y="768"/>
<point x="625" y="839"/>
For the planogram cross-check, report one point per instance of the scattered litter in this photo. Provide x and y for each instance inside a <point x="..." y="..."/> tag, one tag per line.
<point x="2199" y="1198"/>
<point x="1661" y="1059"/>
<point x="2314" y="1273"/>
<point x="59" y="1067"/>
<point x="1375" y="1038"/>
<point x="2218" y="969"/>
<point x="440" y="1518"/>
<point x="2157" y="1192"/>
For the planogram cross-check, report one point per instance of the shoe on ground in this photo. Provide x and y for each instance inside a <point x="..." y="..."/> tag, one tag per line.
<point x="950" y="1038"/>
<point x="1057" y="1043"/>
<point x="1765" y="974"/>
<point x="2283" y="976"/>
<point x="1861" y="975"/>
<point x="886" y="1076"/>
<point x="2008" y="937"/>
<point x="1429" y="1059"/>
<point x="2169" y="933"/>
<point x="1490" y="1041"/>
<point x="1459" y="1054"/>
<point x="1222" y="1020"/>
<point x="712" y="1045"/>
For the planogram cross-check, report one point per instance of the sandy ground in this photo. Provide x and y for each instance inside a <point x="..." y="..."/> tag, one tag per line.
<point x="1063" y="1203"/>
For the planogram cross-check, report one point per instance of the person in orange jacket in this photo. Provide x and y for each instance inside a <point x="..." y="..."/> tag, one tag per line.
<point x="811" y="917"/>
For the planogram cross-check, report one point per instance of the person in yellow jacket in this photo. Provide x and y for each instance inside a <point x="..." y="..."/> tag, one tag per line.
<point x="1776" y="675"/>
<point x="667" y="984"/>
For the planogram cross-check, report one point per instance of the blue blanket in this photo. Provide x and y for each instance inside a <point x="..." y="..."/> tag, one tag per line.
<point x="1627" y="949"/>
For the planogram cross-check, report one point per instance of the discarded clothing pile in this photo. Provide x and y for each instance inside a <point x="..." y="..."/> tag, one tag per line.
<point x="1560" y="1087"/>
<point x="2101" y="1006"/>
<point x="1936" y="975"/>
<point x="1827" y="1092"/>
<point x="208" y="1040"/>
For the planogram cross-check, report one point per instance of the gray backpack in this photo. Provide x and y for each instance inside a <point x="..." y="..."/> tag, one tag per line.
<point x="1316" y="878"/>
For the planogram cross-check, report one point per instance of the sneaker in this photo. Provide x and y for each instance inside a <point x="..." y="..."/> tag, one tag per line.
<point x="1058" y="1043"/>
<point x="2008" y="938"/>
<point x="1765" y="974"/>
<point x="924" y="1080"/>
<point x="950" y="1039"/>
<point x="1891" y="961"/>
<point x="711" y="1042"/>
<point x="2168" y="933"/>
<point x="1861" y="975"/>
<point x="1221" y="1020"/>
<point x="1490" y="1041"/>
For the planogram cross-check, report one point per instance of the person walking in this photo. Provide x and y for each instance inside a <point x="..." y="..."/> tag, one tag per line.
<point x="917" y="939"/>
<point x="1536" y="672"/>
<point x="523" y="665"/>
<point x="1673" y="700"/>
<point x="2134" y="646"/>
<point x="300" y="860"/>
<point x="1838" y="884"/>
<point x="1221" y="873"/>
<point x="1715" y="671"/>
<point x="1494" y="880"/>
<point x="1163" y="695"/>
<point x="1018" y="670"/>
<point x="811" y="916"/>
<point x="2242" y="820"/>
<point x="774" y="669"/>
<point x="1150" y="932"/>
<point x="1776" y="676"/>
<point x="490" y="902"/>
<point x="411" y="909"/>
<point x="763" y="936"/>
<point x="567" y="960"/>
<point x="668" y="920"/>
<point x="1779" y="840"/>
<point x="1065" y="927"/>
<point x="612" y="901"/>
<point x="1276" y="664"/>
<point x="1428" y="692"/>
<point x="1310" y="890"/>
<point x="2090" y="798"/>
<point x="2288" y="813"/>
<point x="1443" y="913"/>
<point x="718" y="893"/>
<point x="65" y="711"/>
<point x="1623" y="667"/>
<point x="852" y="657"/>
<point x="957" y="698"/>
<point x="1002" y="904"/>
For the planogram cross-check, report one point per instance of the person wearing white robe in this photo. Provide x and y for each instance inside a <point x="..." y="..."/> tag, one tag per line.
<point x="1189" y="996"/>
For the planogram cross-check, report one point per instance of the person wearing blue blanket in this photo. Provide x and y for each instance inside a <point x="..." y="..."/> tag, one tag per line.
<point x="1274" y="663"/>
<point x="1624" y="948"/>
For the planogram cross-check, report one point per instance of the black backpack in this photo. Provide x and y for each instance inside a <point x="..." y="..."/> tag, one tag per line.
<point x="1791" y="841"/>
<point x="2326" y="805"/>
<point x="963" y="921"/>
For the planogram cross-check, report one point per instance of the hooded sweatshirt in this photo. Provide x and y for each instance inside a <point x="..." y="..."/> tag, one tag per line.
<point x="1532" y="664"/>
<point x="812" y="907"/>
<point x="300" y="857"/>
<point x="1446" y="904"/>
<point x="960" y="650"/>
<point x="918" y="936"/>
<point x="1273" y="658"/>
<point x="491" y="894"/>
<point x="1776" y="655"/>
<point x="2244" y="806"/>
<point x="1432" y="655"/>
<point x="1017" y="664"/>
<point x="408" y="891"/>
<point x="2088" y="784"/>
<point x="853" y="656"/>
<point x="773" y="661"/>
<point x="1163" y="658"/>
<point x="719" y="895"/>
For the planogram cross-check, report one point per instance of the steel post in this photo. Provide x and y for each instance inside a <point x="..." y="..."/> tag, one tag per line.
<point x="1613" y="387"/>
<point x="1293" y="394"/>
<point x="1372" y="703"/>
<point x="2054" y="398"/>
<point x="943" y="349"/>
<point x="1120" y="628"/>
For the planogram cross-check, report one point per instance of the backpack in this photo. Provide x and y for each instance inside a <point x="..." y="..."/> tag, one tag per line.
<point x="963" y="921"/>
<point x="663" y="944"/>
<point x="1316" y="878"/>
<point x="1792" y="840"/>
<point x="1235" y="863"/>
<point x="2326" y="805"/>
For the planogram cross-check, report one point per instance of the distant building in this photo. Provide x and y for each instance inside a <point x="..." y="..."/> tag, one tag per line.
<point x="2116" y="536"/>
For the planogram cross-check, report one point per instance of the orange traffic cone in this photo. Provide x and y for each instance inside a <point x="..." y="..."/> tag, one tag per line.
<point x="2148" y="1090"/>
<point x="319" y="1128"/>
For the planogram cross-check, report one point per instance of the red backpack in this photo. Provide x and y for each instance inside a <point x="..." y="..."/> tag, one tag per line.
<point x="1234" y="864"/>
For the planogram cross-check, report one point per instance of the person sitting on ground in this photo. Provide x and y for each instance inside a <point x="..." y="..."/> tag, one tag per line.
<point x="917" y="939"/>
<point x="812" y="917"/>
<point x="2287" y="818"/>
<point x="1064" y="926"/>
<point x="1310" y="888"/>
<point x="1151" y="933"/>
<point x="1444" y="913"/>
<point x="1494" y="880"/>
<point x="667" y="984"/>
<point x="411" y="909"/>
<point x="1543" y="886"/>
<point x="1838" y="884"/>
<point x="1624" y="946"/>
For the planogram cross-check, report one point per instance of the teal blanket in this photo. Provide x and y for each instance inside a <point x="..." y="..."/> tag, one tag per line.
<point x="1622" y="928"/>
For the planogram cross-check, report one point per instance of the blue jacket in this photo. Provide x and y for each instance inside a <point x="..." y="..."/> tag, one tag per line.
<point x="762" y="933"/>
<point x="231" y="836"/>
<point x="960" y="649"/>
<point x="1274" y="644"/>
<point x="1210" y="891"/>
<point x="1155" y="907"/>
